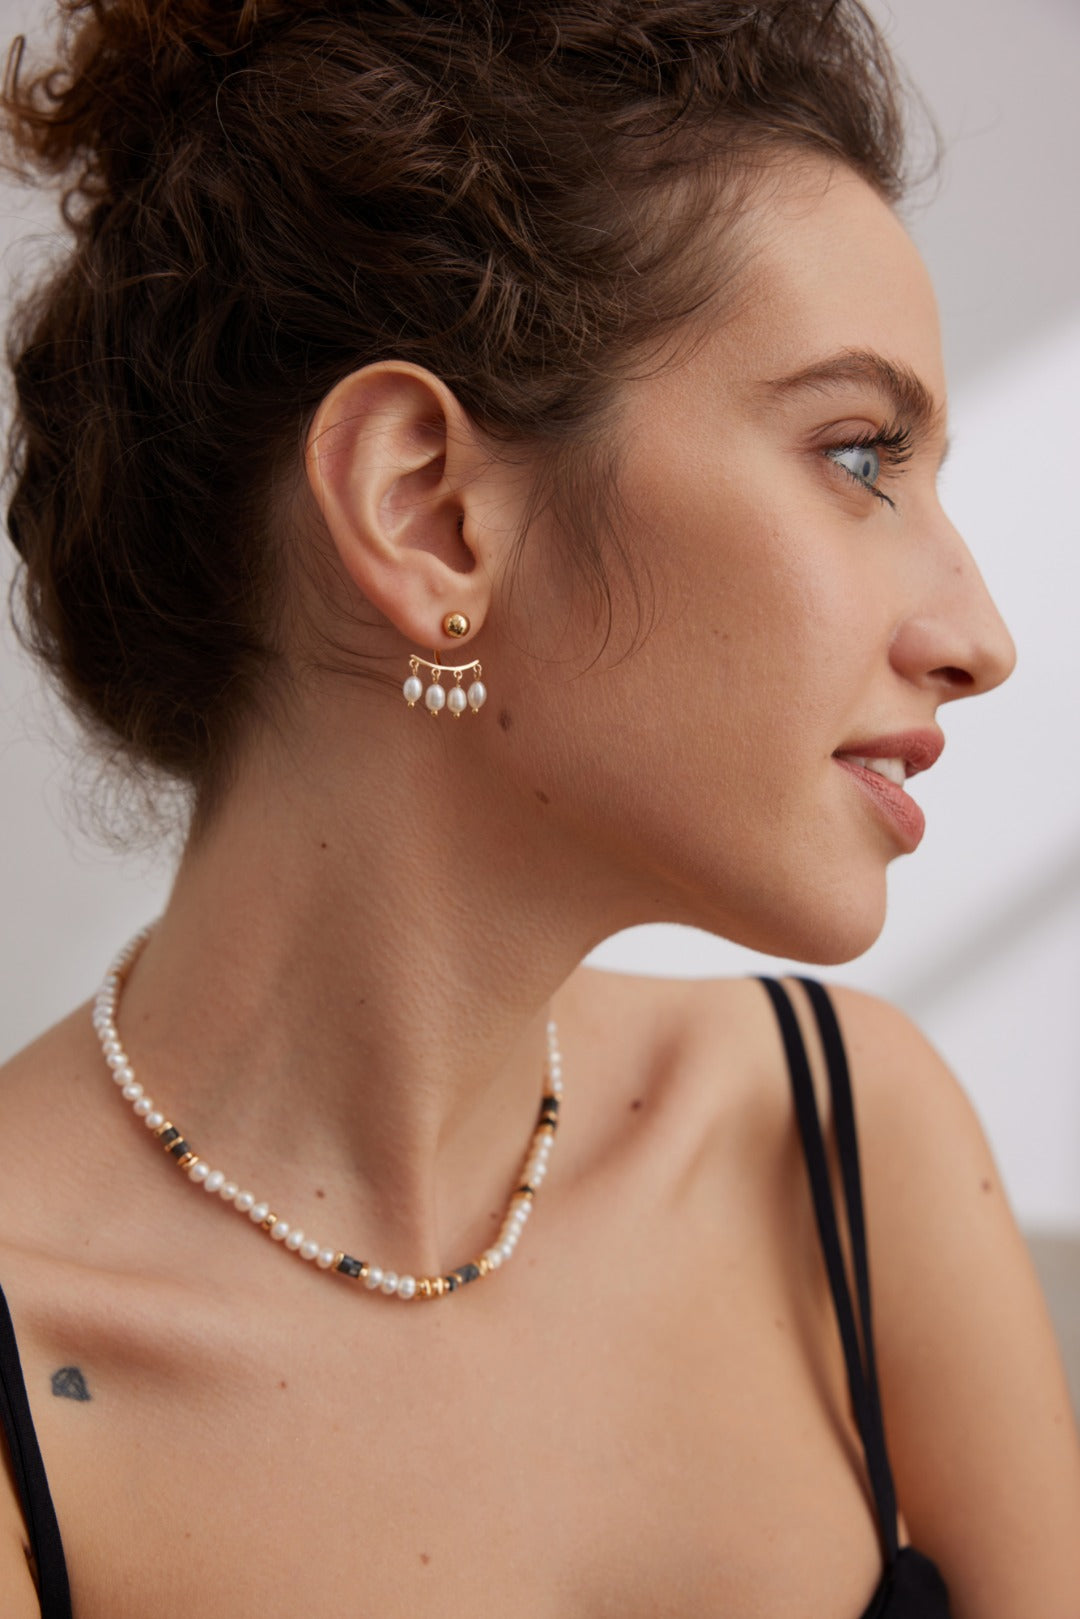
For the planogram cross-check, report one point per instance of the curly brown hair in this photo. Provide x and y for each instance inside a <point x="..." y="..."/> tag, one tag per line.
<point x="264" y="196"/>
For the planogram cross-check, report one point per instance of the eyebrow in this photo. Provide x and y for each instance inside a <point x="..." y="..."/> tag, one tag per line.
<point x="908" y="394"/>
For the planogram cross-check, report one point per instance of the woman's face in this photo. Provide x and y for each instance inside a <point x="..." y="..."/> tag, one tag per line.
<point x="811" y="595"/>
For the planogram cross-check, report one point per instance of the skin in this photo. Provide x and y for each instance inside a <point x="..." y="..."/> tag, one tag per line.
<point x="644" y="1413"/>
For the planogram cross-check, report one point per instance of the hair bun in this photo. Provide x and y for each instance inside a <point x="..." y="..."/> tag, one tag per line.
<point x="125" y="73"/>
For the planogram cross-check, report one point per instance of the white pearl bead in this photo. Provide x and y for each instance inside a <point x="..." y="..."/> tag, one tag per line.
<point x="228" y="1192"/>
<point x="257" y="1213"/>
<point x="506" y="1249"/>
<point x="435" y="697"/>
<point x="477" y="694"/>
<point x="214" y="1181"/>
<point x="131" y="1091"/>
<point x="154" y="1120"/>
<point x="324" y="1258"/>
<point x="124" y="1075"/>
<point x="413" y="689"/>
<point x="294" y="1239"/>
<point x="308" y="1248"/>
<point x="116" y="1059"/>
<point x="389" y="1282"/>
<point x="493" y="1257"/>
<point x="279" y="1230"/>
<point x="112" y="1048"/>
<point x="374" y="1277"/>
<point x="143" y="1106"/>
<point x="406" y="1287"/>
<point x="198" y="1172"/>
<point x="456" y="700"/>
<point x="244" y="1201"/>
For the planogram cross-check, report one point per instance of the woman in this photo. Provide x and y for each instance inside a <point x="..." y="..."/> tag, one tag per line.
<point x="581" y="348"/>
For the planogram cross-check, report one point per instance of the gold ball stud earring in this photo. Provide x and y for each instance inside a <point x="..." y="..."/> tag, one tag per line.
<point x="436" y="698"/>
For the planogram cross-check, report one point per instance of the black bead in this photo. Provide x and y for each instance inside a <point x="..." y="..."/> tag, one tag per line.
<point x="551" y="1103"/>
<point x="350" y="1266"/>
<point x="179" y="1148"/>
<point x="451" y="1283"/>
<point x="467" y="1273"/>
<point x="171" y="1134"/>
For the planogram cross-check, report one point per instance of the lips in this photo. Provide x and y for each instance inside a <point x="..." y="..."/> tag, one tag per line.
<point x="917" y="750"/>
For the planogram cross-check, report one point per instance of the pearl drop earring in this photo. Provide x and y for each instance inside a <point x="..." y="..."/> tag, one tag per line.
<point x="436" y="697"/>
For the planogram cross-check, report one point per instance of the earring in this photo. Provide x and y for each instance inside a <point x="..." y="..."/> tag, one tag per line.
<point x="435" y="697"/>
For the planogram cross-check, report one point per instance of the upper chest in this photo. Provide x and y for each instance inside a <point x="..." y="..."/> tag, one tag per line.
<point x="643" y="1414"/>
<point x="675" y="1442"/>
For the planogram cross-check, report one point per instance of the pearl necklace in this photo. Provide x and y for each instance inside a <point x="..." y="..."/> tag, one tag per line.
<point x="290" y="1237"/>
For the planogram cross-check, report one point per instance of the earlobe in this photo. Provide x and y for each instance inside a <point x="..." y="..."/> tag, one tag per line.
<point x="390" y="457"/>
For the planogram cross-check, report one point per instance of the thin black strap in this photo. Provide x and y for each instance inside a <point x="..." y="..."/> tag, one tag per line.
<point x="862" y="1380"/>
<point x="30" y="1479"/>
<point x="847" y="1142"/>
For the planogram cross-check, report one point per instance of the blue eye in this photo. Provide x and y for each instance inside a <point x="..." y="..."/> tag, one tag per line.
<point x="861" y="460"/>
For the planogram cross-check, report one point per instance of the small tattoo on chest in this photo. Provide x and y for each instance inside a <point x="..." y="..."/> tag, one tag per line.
<point x="70" y="1384"/>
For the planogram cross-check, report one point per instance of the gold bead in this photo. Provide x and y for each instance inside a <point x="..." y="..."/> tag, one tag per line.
<point x="455" y="624"/>
<point x="186" y="1161"/>
<point x="271" y="1219"/>
<point x="423" y="1288"/>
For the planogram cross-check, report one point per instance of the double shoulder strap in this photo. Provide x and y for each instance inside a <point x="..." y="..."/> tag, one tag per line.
<point x="861" y="1368"/>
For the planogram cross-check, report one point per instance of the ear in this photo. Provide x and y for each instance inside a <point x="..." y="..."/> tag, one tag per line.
<point x="392" y="460"/>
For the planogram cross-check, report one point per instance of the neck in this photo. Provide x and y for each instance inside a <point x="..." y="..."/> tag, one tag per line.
<point x="346" y="1009"/>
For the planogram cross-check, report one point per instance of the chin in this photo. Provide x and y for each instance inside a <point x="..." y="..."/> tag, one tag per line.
<point x="827" y="934"/>
<point x="822" y="927"/>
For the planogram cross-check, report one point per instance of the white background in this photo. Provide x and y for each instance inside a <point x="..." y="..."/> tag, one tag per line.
<point x="982" y="944"/>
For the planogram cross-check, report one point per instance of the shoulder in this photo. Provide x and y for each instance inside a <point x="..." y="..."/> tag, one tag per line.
<point x="979" y="1424"/>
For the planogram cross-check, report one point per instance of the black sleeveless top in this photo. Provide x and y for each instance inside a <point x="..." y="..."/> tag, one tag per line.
<point x="910" y="1586"/>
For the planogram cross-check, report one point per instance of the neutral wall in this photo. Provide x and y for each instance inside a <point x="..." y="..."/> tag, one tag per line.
<point x="982" y="944"/>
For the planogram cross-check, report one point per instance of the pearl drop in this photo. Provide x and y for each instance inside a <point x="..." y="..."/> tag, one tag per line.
<point x="406" y="1287"/>
<point x="143" y="1106"/>
<point x="456" y="700"/>
<point x="228" y="1192"/>
<point x="279" y="1230"/>
<point x="214" y="1181"/>
<point x="413" y="689"/>
<point x="257" y="1213"/>
<point x="132" y="1091"/>
<point x="294" y="1239"/>
<point x="154" y="1121"/>
<point x="198" y="1173"/>
<point x="244" y="1201"/>
<point x="324" y="1258"/>
<point x="374" y="1277"/>
<point x="435" y="697"/>
<point x="389" y="1282"/>
<point x="308" y="1248"/>
<point x="477" y="694"/>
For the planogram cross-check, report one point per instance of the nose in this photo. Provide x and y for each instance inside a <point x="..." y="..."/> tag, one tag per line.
<point x="956" y="643"/>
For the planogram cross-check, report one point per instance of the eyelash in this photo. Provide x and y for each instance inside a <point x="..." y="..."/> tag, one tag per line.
<point x="895" y="444"/>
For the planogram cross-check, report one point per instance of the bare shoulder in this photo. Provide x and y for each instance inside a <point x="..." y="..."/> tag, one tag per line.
<point x="980" y="1429"/>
